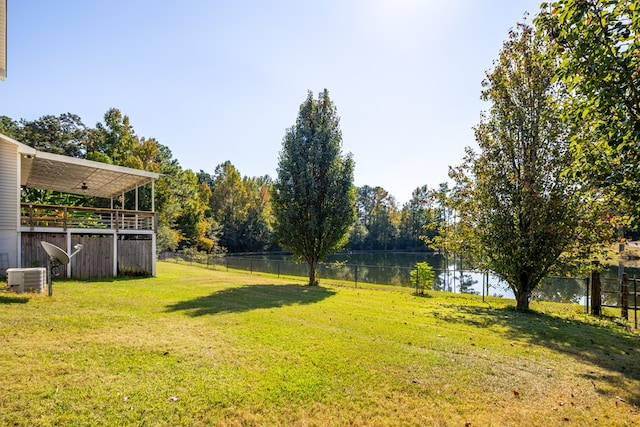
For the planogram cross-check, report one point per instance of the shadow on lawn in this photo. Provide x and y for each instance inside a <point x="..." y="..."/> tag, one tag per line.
<point x="610" y="348"/>
<point x="13" y="299"/>
<point x="251" y="297"/>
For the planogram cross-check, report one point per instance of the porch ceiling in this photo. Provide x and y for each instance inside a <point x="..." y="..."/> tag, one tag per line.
<point x="79" y="176"/>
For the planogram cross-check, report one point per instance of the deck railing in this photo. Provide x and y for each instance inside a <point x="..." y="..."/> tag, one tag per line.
<point x="65" y="217"/>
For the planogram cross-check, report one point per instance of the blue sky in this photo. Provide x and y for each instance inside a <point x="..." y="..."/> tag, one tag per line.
<point x="223" y="79"/>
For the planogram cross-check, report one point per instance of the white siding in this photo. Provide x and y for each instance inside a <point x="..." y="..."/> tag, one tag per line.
<point x="9" y="188"/>
<point x="9" y="205"/>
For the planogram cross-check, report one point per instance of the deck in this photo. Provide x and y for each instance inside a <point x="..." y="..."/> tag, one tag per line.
<point x="37" y="217"/>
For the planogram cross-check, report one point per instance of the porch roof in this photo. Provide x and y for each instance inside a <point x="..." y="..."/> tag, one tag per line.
<point x="49" y="171"/>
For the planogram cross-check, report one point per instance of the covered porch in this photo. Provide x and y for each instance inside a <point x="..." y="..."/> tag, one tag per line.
<point x="116" y="241"/>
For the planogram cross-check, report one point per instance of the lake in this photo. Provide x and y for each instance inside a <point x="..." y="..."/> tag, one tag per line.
<point x="394" y="268"/>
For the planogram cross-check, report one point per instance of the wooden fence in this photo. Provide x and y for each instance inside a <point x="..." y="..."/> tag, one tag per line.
<point x="95" y="260"/>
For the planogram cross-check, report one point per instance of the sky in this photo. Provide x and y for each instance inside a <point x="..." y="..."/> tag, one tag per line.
<point x="218" y="80"/>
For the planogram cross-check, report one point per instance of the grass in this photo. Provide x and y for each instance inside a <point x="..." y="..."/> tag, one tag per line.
<point x="201" y="347"/>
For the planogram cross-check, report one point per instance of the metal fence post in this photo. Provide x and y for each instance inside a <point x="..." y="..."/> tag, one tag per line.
<point x="587" y="294"/>
<point x="355" y="277"/>
<point x="624" y="297"/>
<point x="596" y="289"/>
<point x="635" y="301"/>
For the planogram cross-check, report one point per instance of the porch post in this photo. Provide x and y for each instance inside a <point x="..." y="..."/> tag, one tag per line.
<point x="153" y="254"/>
<point x="68" y="249"/>
<point x="115" y="254"/>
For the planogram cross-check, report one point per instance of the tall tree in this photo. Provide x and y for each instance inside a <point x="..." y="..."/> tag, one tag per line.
<point x="596" y="44"/>
<point x="9" y="127"/>
<point x="514" y="199"/>
<point x="63" y="134"/>
<point x="378" y="219"/>
<point x="257" y="229"/>
<point x="313" y="196"/>
<point x="117" y="142"/>
<point x="230" y="205"/>
<point x="417" y="219"/>
<point x="198" y="229"/>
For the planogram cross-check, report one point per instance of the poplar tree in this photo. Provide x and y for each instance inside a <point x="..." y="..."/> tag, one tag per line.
<point x="314" y="196"/>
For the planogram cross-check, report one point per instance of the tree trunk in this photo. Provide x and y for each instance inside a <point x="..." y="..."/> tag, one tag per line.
<point x="522" y="300"/>
<point x="313" y="280"/>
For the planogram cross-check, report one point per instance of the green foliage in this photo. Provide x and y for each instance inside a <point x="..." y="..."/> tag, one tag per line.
<point x="596" y="45"/>
<point x="518" y="213"/>
<point x="167" y="239"/>
<point x="314" y="197"/>
<point x="9" y="127"/>
<point x="422" y="277"/>
<point x="242" y="207"/>
<point x="232" y="205"/>
<point x="64" y="134"/>
<point x="378" y="220"/>
<point x="50" y="197"/>
<point x="200" y="231"/>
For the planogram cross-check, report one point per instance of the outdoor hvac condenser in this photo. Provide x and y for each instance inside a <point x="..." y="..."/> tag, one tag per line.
<point x="27" y="279"/>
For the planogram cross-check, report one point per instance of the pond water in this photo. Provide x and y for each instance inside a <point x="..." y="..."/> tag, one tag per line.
<point x="394" y="268"/>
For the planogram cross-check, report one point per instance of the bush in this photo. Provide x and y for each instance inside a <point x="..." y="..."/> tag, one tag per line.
<point x="422" y="277"/>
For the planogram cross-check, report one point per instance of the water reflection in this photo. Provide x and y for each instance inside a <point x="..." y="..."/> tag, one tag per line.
<point x="394" y="268"/>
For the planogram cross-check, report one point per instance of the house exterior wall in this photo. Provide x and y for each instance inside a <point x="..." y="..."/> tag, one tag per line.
<point x="10" y="205"/>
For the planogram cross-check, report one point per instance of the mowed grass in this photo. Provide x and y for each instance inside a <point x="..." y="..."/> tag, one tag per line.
<point x="197" y="347"/>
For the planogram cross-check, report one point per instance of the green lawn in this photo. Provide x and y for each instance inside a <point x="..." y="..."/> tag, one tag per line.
<point x="200" y="347"/>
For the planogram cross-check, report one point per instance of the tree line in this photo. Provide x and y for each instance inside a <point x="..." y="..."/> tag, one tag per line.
<point x="217" y="211"/>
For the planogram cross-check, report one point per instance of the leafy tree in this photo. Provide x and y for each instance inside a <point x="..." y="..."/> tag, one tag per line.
<point x="230" y="205"/>
<point x="422" y="277"/>
<point x="172" y="192"/>
<point x="385" y="221"/>
<point x="198" y="229"/>
<point x="377" y="213"/>
<point x="314" y="197"/>
<point x="63" y="134"/>
<point x="596" y="44"/>
<point x="519" y="213"/>
<point x="116" y="140"/>
<point x="416" y="219"/>
<point x="9" y="127"/>
<point x="258" y="229"/>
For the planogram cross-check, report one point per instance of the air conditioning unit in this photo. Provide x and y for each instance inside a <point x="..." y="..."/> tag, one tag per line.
<point x="27" y="279"/>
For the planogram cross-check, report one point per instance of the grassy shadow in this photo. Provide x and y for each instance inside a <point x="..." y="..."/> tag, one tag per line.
<point x="611" y="348"/>
<point x="251" y="297"/>
<point x="13" y="300"/>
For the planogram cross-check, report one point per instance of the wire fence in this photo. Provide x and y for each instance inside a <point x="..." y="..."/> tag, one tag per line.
<point x="557" y="289"/>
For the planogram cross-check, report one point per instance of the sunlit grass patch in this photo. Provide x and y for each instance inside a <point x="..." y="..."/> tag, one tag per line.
<point x="201" y="347"/>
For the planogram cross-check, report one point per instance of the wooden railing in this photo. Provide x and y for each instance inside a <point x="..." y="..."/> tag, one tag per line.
<point x="65" y="217"/>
